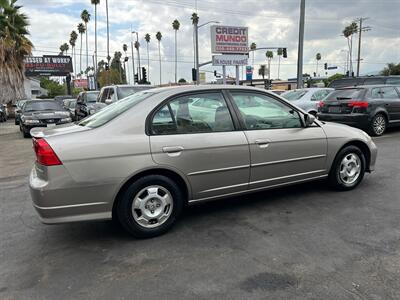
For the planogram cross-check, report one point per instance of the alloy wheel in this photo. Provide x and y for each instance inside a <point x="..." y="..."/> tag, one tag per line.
<point x="379" y="124"/>
<point x="350" y="169"/>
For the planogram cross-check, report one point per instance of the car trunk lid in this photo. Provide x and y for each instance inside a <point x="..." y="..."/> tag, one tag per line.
<point x="43" y="132"/>
<point x="343" y="101"/>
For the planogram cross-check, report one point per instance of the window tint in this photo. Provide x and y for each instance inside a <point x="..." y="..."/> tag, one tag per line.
<point x="376" y="93"/>
<point x="42" y="105"/>
<point x="393" y="80"/>
<point x="263" y="112"/>
<point x="389" y="93"/>
<point x="294" y="95"/>
<point x="319" y="95"/>
<point x="91" y="97"/>
<point x="346" y="94"/>
<point x="195" y="113"/>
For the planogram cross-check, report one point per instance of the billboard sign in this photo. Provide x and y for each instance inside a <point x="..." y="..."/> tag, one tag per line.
<point x="81" y="83"/>
<point x="48" y="65"/>
<point x="229" y="60"/>
<point x="229" y="39"/>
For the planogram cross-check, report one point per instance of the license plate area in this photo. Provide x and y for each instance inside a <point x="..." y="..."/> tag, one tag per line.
<point x="335" y="109"/>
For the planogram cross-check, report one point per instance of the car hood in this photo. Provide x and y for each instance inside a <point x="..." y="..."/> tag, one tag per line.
<point x="337" y="130"/>
<point x="43" y="132"/>
<point x="47" y="114"/>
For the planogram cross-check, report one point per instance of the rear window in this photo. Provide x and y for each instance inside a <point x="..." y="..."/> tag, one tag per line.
<point x="42" y="105"/>
<point x="346" y="94"/>
<point x="113" y="110"/>
<point x="294" y="95"/>
<point x="91" y="97"/>
<point x="371" y="81"/>
<point x="393" y="80"/>
<point x="126" y="91"/>
<point x="345" y="82"/>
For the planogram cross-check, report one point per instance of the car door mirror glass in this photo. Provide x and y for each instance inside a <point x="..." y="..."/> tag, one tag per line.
<point x="108" y="101"/>
<point x="309" y="120"/>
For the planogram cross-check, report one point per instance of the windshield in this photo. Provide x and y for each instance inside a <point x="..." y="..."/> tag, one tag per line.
<point x="91" y="97"/>
<point x="42" y="105"/>
<point x="113" y="110"/>
<point x="294" y="95"/>
<point x="345" y="94"/>
<point x="125" y="91"/>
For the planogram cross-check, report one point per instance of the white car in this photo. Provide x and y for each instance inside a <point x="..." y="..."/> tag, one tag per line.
<point x="307" y="99"/>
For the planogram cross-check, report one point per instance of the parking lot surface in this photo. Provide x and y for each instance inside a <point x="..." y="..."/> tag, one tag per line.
<point x="302" y="242"/>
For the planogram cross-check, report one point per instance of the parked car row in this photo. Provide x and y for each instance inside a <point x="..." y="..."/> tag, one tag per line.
<point x="3" y="113"/>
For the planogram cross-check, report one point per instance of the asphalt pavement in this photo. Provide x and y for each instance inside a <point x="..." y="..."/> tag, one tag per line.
<point x="301" y="242"/>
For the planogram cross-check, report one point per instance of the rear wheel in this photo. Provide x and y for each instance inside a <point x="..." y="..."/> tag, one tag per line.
<point x="348" y="168"/>
<point x="150" y="206"/>
<point x="378" y="125"/>
<point x="24" y="131"/>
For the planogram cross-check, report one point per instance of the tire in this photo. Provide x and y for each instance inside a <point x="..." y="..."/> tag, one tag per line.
<point x="378" y="125"/>
<point x="16" y="121"/>
<point x="354" y="157"/>
<point x="161" y="187"/>
<point x="25" y="133"/>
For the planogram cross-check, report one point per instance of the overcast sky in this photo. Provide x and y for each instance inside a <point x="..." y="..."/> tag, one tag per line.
<point x="271" y="23"/>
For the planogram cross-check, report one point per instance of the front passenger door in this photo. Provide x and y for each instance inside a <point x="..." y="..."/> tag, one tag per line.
<point x="281" y="148"/>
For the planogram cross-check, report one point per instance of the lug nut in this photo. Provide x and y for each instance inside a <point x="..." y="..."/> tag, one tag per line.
<point x="152" y="211"/>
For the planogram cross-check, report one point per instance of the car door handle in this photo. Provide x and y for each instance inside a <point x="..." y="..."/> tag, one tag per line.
<point x="173" y="149"/>
<point x="262" y="143"/>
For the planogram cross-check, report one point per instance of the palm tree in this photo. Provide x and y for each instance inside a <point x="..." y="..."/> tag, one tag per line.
<point x="81" y="30"/>
<point x="195" y="22"/>
<point x="61" y="49"/>
<point x="280" y="53"/>
<point x="85" y="16"/>
<point x="108" y="36"/>
<point x="125" y="48"/>
<point x="262" y="70"/>
<point x="269" y="55"/>
<point x="175" y="26"/>
<point x="14" y="47"/>
<point x="137" y="46"/>
<point x="66" y="48"/>
<point x="72" y="42"/>
<point x="348" y="32"/>
<point x="253" y="47"/>
<point x="147" y="39"/>
<point x="318" y="58"/>
<point x="158" y="37"/>
<point x="95" y="3"/>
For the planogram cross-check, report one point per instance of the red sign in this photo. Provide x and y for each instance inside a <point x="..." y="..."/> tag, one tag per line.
<point x="81" y="83"/>
<point x="229" y="39"/>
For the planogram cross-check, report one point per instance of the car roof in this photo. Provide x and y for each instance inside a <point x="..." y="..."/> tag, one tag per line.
<point x="367" y="86"/>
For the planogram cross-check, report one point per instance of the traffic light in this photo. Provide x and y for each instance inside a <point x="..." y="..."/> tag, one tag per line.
<point x="144" y="73"/>
<point x="215" y="73"/>
<point x="315" y="74"/>
<point x="136" y="78"/>
<point x="194" y="73"/>
<point x="284" y="52"/>
<point x="107" y="67"/>
<point x="326" y="66"/>
<point x="126" y="58"/>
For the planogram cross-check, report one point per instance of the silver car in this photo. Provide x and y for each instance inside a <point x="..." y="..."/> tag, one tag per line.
<point x="307" y="99"/>
<point x="142" y="159"/>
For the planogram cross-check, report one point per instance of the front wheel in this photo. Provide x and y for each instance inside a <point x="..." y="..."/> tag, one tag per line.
<point x="150" y="206"/>
<point x="348" y="168"/>
<point x="378" y="125"/>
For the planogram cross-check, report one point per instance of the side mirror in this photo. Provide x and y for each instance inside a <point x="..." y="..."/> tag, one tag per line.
<point x="309" y="119"/>
<point x="108" y="101"/>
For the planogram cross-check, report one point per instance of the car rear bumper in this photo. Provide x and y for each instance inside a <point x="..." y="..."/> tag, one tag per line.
<point x="356" y="120"/>
<point x="61" y="200"/>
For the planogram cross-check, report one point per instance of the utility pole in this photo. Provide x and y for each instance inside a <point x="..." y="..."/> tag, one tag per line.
<point x="360" y="30"/>
<point x="196" y="30"/>
<point x="300" y="48"/>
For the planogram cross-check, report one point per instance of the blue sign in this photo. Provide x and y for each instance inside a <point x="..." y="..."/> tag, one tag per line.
<point x="249" y="73"/>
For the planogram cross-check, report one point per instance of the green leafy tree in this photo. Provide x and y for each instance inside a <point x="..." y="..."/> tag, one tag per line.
<point x="175" y="26"/>
<point x="72" y="42"/>
<point x="391" y="69"/>
<point x="14" y="47"/>
<point x="262" y="71"/>
<point x="332" y="78"/>
<point x="317" y="58"/>
<point x="182" y="80"/>
<point x="53" y="87"/>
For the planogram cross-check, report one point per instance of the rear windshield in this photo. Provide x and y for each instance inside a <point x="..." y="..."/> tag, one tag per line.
<point x="113" y="110"/>
<point x="345" y="82"/>
<point x="42" y="105"/>
<point x="126" y="91"/>
<point x="346" y="94"/>
<point x="393" y="80"/>
<point x="294" y="95"/>
<point x="91" y="97"/>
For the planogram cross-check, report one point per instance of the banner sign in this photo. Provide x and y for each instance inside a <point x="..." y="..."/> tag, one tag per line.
<point x="229" y="60"/>
<point x="229" y="39"/>
<point x="48" y="65"/>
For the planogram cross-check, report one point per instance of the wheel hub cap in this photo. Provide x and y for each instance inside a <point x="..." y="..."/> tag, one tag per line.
<point x="152" y="206"/>
<point x="350" y="169"/>
<point x="379" y="125"/>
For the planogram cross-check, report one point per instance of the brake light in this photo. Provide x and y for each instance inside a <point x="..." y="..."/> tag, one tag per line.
<point x="45" y="155"/>
<point x="356" y="103"/>
<point x="321" y="104"/>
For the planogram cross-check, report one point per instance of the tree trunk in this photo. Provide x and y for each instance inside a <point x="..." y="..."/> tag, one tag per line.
<point x="176" y="58"/>
<point x="159" y="55"/>
<point x="279" y="65"/>
<point x="148" y="63"/>
<point x="87" y="50"/>
<point x="80" y="56"/>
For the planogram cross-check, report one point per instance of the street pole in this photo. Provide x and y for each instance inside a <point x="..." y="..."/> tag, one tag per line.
<point x="224" y="74"/>
<point x="133" y="59"/>
<point x="360" y="30"/>
<point x="196" y="29"/>
<point x="237" y="75"/>
<point x="300" y="48"/>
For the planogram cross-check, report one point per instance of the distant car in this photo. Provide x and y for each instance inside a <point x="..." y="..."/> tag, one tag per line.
<point x="70" y="105"/>
<point x="141" y="160"/>
<point x="42" y="113"/>
<point x="18" y="107"/>
<point x="3" y="113"/>
<point x="60" y="98"/>
<point x="372" y="108"/>
<point x="365" y="80"/>
<point x="307" y="99"/>
<point x="113" y="93"/>
<point x="86" y="104"/>
<point x="278" y="92"/>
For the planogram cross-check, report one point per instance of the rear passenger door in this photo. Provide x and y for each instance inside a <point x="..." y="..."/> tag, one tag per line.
<point x="197" y="135"/>
<point x="391" y="100"/>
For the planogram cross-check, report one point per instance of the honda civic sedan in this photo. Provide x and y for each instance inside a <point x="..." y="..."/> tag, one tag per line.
<point x="141" y="160"/>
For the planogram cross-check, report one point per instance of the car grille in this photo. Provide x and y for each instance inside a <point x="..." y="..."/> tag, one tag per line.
<point x="51" y="121"/>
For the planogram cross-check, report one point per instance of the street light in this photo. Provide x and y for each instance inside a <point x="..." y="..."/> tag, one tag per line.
<point x="137" y="41"/>
<point x="196" y="30"/>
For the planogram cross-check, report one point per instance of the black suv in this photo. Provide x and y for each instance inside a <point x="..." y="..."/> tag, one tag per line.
<point x="85" y="103"/>
<point x="364" y="80"/>
<point x="372" y="108"/>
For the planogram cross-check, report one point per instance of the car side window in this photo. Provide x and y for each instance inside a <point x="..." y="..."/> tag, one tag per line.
<point x="196" y="113"/>
<point x="111" y="94"/>
<point x="318" y="95"/>
<point x="376" y="93"/>
<point x="260" y="111"/>
<point x="104" y="95"/>
<point x="389" y="93"/>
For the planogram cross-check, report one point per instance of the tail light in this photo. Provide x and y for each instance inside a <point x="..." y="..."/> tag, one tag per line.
<point x="45" y="155"/>
<point x="355" y="103"/>
<point x="321" y="104"/>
